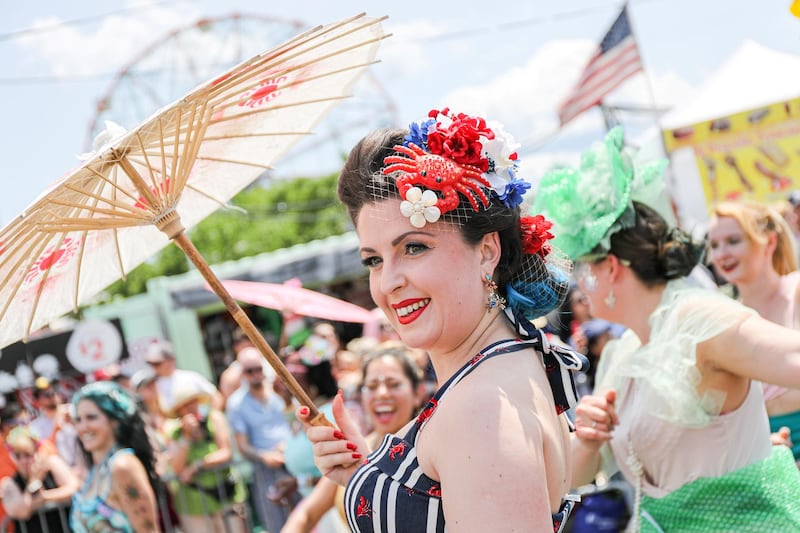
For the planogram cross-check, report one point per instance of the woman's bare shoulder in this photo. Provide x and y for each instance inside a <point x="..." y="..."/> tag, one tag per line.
<point x="124" y="463"/>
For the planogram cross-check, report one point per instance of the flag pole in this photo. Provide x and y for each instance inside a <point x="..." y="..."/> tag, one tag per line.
<point x="645" y="71"/>
<point x="669" y="178"/>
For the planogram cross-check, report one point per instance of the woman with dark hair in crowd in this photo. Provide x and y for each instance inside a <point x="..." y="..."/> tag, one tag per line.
<point x="390" y="393"/>
<point x="683" y="411"/>
<point x="119" y="493"/>
<point x="459" y="273"/>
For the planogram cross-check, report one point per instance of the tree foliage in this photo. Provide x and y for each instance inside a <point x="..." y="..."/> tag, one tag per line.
<point x="260" y="219"/>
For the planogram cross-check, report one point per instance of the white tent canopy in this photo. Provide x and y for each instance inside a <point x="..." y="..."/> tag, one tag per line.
<point x="752" y="77"/>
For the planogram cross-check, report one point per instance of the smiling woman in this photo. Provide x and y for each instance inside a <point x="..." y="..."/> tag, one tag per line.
<point x="460" y="274"/>
<point x="40" y="479"/>
<point x="390" y="396"/>
<point x="751" y="246"/>
<point x="119" y="491"/>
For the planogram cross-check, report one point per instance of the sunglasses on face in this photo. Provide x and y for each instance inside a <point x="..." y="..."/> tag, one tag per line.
<point x="252" y="370"/>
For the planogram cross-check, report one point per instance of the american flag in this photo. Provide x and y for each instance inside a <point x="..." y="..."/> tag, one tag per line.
<point x="616" y="60"/>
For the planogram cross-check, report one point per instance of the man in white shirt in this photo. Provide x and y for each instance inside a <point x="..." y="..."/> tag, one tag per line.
<point x="161" y="358"/>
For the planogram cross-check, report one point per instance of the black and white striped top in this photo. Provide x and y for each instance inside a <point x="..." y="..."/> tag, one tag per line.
<point x="390" y="492"/>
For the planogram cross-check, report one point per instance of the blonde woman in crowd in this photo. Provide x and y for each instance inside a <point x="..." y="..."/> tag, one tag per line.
<point x="751" y="247"/>
<point x="40" y="479"/>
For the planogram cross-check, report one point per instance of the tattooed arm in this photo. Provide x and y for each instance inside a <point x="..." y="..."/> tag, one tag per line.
<point x="132" y="494"/>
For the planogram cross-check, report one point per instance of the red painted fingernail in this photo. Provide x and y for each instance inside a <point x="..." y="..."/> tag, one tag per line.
<point x="351" y="446"/>
<point x="305" y="411"/>
<point x="356" y="456"/>
<point x="338" y="435"/>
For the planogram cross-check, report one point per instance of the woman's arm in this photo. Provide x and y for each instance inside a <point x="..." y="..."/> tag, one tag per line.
<point x="221" y="455"/>
<point x="595" y="419"/>
<point x="756" y="348"/>
<point x="308" y="512"/>
<point x="132" y="493"/>
<point x="18" y="504"/>
<point x="67" y="482"/>
<point x="222" y="438"/>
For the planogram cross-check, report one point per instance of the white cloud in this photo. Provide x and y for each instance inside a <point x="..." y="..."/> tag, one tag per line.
<point x="526" y="98"/>
<point x="533" y="166"/>
<point x="70" y="50"/>
<point x="405" y="52"/>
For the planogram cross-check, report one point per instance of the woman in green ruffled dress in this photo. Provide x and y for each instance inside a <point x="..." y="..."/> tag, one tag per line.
<point x="681" y="409"/>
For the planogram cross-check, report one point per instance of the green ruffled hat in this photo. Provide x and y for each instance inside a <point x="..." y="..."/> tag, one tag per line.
<point x="590" y="203"/>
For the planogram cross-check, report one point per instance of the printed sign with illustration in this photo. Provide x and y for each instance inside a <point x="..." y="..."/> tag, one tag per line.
<point x="753" y="154"/>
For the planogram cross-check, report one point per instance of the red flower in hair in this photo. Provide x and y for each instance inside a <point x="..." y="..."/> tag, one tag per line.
<point x="535" y="232"/>
<point x="460" y="141"/>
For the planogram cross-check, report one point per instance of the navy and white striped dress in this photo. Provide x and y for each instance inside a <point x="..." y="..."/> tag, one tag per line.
<point x="389" y="492"/>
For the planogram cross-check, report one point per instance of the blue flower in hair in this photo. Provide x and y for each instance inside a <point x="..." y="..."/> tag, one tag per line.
<point x="419" y="133"/>
<point x="512" y="195"/>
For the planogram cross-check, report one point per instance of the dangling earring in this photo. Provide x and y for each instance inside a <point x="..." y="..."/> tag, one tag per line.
<point x="494" y="300"/>
<point x="610" y="299"/>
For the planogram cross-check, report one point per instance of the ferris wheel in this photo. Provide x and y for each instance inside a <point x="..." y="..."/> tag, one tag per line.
<point x="185" y="57"/>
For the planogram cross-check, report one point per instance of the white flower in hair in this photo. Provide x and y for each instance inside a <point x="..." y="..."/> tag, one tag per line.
<point x="420" y="207"/>
<point x="502" y="154"/>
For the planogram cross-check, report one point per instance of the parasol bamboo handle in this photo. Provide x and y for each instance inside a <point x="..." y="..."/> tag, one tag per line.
<point x="184" y="243"/>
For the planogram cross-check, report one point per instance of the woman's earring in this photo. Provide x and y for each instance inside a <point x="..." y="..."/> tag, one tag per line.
<point x="610" y="299"/>
<point x="494" y="300"/>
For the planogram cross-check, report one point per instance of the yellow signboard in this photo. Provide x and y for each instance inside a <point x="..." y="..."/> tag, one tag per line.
<point x="754" y="154"/>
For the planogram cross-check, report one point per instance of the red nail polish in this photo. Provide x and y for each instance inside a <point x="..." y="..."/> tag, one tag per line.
<point x="305" y="411"/>
<point x="338" y="435"/>
<point x="351" y="446"/>
<point x="356" y="456"/>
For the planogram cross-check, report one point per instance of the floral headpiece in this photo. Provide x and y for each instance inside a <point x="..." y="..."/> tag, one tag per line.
<point x="590" y="203"/>
<point x="450" y="155"/>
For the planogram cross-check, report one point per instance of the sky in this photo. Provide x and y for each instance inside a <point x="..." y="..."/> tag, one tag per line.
<point x="511" y="61"/>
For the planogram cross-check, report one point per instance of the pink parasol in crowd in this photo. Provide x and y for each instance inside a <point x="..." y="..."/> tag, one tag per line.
<point x="291" y="297"/>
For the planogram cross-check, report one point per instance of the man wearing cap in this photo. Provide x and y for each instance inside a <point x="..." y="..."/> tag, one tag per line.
<point x="256" y="414"/>
<point x="161" y="358"/>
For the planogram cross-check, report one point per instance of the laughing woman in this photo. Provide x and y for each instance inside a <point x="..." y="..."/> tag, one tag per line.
<point x="389" y="397"/>
<point x="460" y="274"/>
<point x="119" y="492"/>
<point x="752" y="247"/>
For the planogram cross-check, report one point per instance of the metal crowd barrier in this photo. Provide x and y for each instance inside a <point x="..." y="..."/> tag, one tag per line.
<point x="232" y="517"/>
